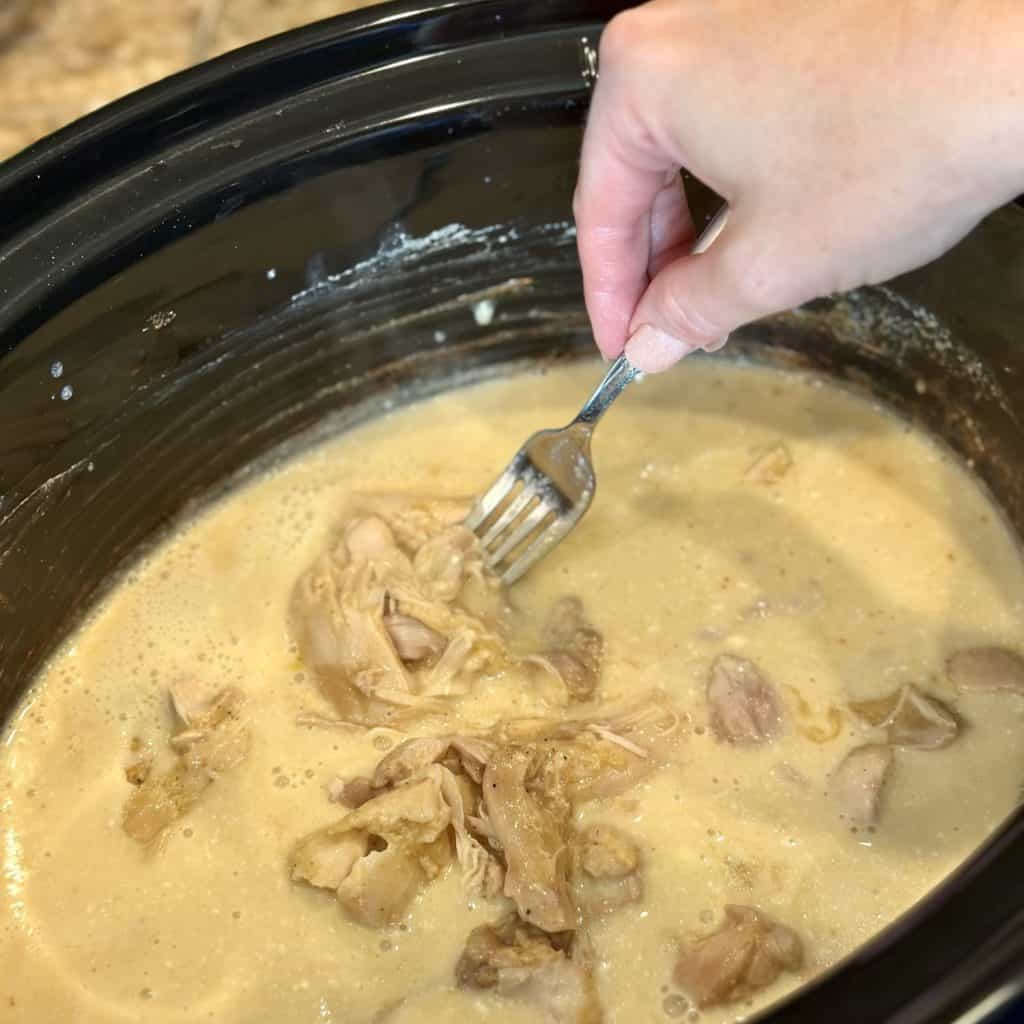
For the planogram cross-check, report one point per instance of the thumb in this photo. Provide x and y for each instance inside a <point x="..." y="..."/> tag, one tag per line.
<point x="696" y="300"/>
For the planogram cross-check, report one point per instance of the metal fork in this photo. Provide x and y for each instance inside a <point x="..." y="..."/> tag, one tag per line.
<point x="550" y="482"/>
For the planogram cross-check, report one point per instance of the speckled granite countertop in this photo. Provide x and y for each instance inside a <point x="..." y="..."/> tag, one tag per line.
<point x="60" y="59"/>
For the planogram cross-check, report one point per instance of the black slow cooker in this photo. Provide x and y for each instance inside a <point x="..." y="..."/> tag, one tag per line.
<point x="293" y="237"/>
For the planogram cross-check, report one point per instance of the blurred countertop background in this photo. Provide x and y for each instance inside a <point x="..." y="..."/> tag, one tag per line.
<point x="60" y="59"/>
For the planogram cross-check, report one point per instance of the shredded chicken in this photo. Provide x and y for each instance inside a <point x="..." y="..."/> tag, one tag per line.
<point x="547" y="972"/>
<point x="909" y="718"/>
<point x="462" y="753"/>
<point x="386" y="626"/>
<point x="856" y="784"/>
<point x="541" y="772"/>
<point x="745" y="708"/>
<point x="423" y="796"/>
<point x="482" y="873"/>
<point x="747" y="952"/>
<point x="413" y="640"/>
<point x="533" y="834"/>
<point x="611" y="748"/>
<point x="215" y="739"/>
<point x="986" y="670"/>
<point x="402" y="614"/>
<point x="505" y="804"/>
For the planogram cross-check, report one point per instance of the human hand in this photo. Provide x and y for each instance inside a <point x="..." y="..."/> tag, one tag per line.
<point x="852" y="142"/>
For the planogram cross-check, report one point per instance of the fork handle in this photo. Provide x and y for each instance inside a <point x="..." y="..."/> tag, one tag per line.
<point x="622" y="373"/>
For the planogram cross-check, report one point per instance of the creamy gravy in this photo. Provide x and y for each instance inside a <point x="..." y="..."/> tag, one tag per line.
<point x="861" y="569"/>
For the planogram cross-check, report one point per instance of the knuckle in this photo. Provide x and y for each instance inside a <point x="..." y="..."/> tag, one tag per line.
<point x="622" y="38"/>
<point x="762" y="280"/>
<point x="687" y="321"/>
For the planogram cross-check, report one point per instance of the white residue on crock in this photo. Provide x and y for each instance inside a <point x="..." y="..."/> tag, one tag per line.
<point x="483" y="312"/>
<point x="901" y="329"/>
<point x="159" y="320"/>
<point x="34" y="504"/>
<point x="399" y="250"/>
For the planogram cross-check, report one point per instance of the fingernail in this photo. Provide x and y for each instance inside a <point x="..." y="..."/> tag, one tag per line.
<point x="652" y="351"/>
<point x="714" y="346"/>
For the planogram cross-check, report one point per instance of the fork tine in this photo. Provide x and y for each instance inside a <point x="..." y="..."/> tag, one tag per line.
<point x="488" y="502"/>
<point x="515" y="508"/>
<point x="527" y="525"/>
<point x="537" y="548"/>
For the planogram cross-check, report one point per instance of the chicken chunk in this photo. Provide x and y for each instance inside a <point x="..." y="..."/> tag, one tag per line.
<point x="986" y="670"/>
<point x="607" y="852"/>
<point x="214" y="740"/>
<point x="748" y="952"/>
<point x="351" y="793"/>
<point x="909" y="718"/>
<point x="857" y="782"/>
<point x="338" y="621"/>
<point x="415" y="813"/>
<point x="573" y="648"/>
<point x="378" y="856"/>
<point x="217" y="735"/>
<point x="533" y="839"/>
<point x="607" y="875"/>
<point x="326" y="858"/>
<point x="162" y="799"/>
<point x="445" y="560"/>
<point x="547" y="972"/>
<point x="382" y="884"/>
<point x="745" y="708"/>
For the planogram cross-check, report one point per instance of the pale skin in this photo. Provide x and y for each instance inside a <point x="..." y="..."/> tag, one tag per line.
<point x="852" y="139"/>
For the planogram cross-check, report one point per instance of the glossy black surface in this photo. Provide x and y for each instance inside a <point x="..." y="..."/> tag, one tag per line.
<point x="268" y="200"/>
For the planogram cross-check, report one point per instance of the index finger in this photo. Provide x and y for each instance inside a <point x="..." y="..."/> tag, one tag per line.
<point x="620" y="179"/>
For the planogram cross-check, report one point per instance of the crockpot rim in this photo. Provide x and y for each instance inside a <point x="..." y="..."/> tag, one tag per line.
<point x="180" y="96"/>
